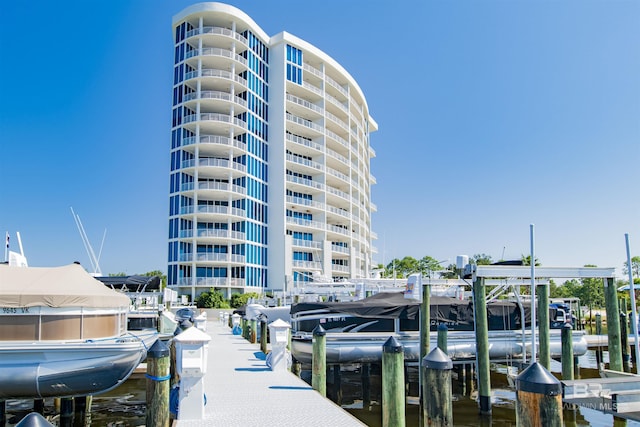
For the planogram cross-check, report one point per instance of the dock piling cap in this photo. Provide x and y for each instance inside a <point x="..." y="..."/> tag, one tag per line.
<point x="536" y="379"/>
<point x="158" y="350"/>
<point x="34" y="420"/>
<point x="319" y="331"/>
<point x="392" y="346"/>
<point x="437" y="359"/>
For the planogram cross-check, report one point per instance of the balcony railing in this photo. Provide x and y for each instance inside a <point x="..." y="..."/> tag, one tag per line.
<point x="304" y="122"/>
<point x="219" y="31"/>
<point x="215" y="139"/>
<point x="215" y="94"/>
<point x="215" y="117"/>
<point x="215" y="51"/>
<point x="212" y="210"/>
<point x="304" y="103"/>
<point x="212" y="72"/>
<point x="211" y="282"/>
<point x="303" y="141"/>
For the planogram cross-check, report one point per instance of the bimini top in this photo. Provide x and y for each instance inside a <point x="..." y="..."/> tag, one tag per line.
<point x="66" y="286"/>
<point x="384" y="305"/>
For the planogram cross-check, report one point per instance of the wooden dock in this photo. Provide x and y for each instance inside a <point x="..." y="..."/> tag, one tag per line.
<point x="242" y="391"/>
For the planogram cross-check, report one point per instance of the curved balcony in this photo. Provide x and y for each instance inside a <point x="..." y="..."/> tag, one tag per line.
<point x="305" y="125"/>
<point x="316" y="225"/>
<point x="310" y="244"/>
<point x="338" y="230"/>
<point x="309" y="164"/>
<point x="217" y="31"/>
<point x="340" y="268"/>
<point x="339" y="249"/>
<point x="212" y="122"/>
<point x="213" y="97"/>
<point x="296" y="103"/>
<point x="209" y="162"/>
<point x="299" y="201"/>
<point x="332" y="136"/>
<point x="210" y="282"/>
<point x="305" y="146"/>
<point x="216" y="73"/>
<point x="211" y="257"/>
<point x="212" y="211"/>
<point x="219" y="189"/>
<point x="214" y="144"/>
<point x="216" y="53"/>
<point x="305" y="182"/>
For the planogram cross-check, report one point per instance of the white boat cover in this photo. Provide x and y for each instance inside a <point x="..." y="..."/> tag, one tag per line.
<point x="66" y="286"/>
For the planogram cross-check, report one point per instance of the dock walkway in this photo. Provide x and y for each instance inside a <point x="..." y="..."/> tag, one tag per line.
<point x="242" y="391"/>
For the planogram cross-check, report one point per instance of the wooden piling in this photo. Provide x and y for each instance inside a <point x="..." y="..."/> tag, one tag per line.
<point x="254" y="331"/>
<point x="425" y="329"/>
<point x="263" y="336"/>
<point x="544" y="353"/>
<point x="538" y="398"/>
<point x="3" y="413"/>
<point x="624" y="343"/>
<point x="442" y="338"/>
<point x="613" y="325"/>
<point x="158" y="376"/>
<point x="599" y="359"/>
<point x="438" y="407"/>
<point x="393" y="400"/>
<point x="319" y="361"/>
<point x="567" y="352"/>
<point x="482" y="346"/>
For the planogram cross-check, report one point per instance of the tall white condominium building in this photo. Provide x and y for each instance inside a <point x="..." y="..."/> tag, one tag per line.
<point x="270" y="160"/>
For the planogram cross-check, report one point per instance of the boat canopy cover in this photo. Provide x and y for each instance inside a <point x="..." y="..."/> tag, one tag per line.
<point x="135" y="283"/>
<point x="450" y="311"/>
<point x="66" y="286"/>
<point x="384" y="305"/>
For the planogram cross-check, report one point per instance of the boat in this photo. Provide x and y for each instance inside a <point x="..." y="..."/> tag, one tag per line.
<point x="357" y="330"/>
<point x="63" y="334"/>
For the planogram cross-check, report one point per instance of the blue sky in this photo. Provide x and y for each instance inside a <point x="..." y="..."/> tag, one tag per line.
<point x="493" y="115"/>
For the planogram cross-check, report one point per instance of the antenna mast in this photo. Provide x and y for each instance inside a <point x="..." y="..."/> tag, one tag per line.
<point x="95" y="261"/>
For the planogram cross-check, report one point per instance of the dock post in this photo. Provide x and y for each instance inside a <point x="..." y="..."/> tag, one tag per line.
<point x="66" y="412"/>
<point x="567" y="351"/>
<point x="538" y="398"/>
<point x="319" y="361"/>
<point x="158" y="385"/>
<point x="543" y="326"/>
<point x="366" y="386"/>
<point x="425" y="329"/>
<point x="624" y="343"/>
<point x="263" y="336"/>
<point x="482" y="345"/>
<point x="442" y="338"/>
<point x="254" y="331"/>
<point x="393" y="400"/>
<point x="3" y="413"/>
<point x="599" y="360"/>
<point x="613" y="325"/>
<point x="438" y="407"/>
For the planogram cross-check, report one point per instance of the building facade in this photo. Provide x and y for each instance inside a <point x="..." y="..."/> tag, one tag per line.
<point x="270" y="182"/>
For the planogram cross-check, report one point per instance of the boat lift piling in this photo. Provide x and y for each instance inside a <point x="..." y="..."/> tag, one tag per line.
<point x="613" y="325"/>
<point x="624" y="343"/>
<point x="567" y="352"/>
<point x="482" y="345"/>
<point x="319" y="361"/>
<point x="543" y="326"/>
<point x="438" y="407"/>
<point x="599" y="355"/>
<point x="393" y="391"/>
<point x="158" y="377"/>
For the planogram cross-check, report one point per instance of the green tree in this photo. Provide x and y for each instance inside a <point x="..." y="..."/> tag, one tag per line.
<point x="481" y="259"/>
<point x="427" y="265"/>
<point x="526" y="260"/>
<point x="403" y="267"/>
<point x="238" y="300"/>
<point x="635" y="267"/>
<point x="211" y="299"/>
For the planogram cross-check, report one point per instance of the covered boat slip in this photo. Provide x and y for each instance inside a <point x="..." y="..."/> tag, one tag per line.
<point x="357" y="330"/>
<point x="379" y="312"/>
<point x="61" y="303"/>
<point x="63" y="333"/>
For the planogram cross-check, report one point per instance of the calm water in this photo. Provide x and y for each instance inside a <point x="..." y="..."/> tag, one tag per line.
<point x="125" y="406"/>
